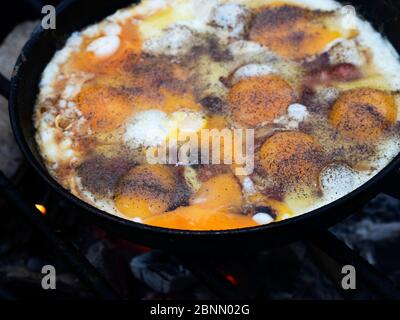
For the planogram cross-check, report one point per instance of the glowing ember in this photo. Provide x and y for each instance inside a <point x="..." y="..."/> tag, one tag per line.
<point x="231" y="279"/>
<point x="41" y="208"/>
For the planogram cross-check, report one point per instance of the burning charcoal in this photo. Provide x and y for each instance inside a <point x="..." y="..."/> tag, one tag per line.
<point x="289" y="273"/>
<point x="374" y="232"/>
<point x="107" y="260"/>
<point x="22" y="274"/>
<point x="161" y="272"/>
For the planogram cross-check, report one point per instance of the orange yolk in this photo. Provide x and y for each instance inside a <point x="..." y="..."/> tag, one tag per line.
<point x="130" y="35"/>
<point x="139" y="206"/>
<point x="220" y="192"/>
<point x="174" y="102"/>
<point x="200" y="218"/>
<point x="291" y="158"/>
<point x="104" y="108"/>
<point x="145" y="190"/>
<point x="257" y="100"/>
<point x="363" y="114"/>
<point x="292" y="32"/>
<point x="213" y="207"/>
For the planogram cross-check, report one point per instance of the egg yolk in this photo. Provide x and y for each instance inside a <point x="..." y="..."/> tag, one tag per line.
<point x="212" y="207"/>
<point x="173" y="101"/>
<point x="200" y="218"/>
<point x="220" y="192"/>
<point x="130" y="44"/>
<point x="145" y="190"/>
<point x="254" y="101"/>
<point x="104" y="108"/>
<point x="292" y="32"/>
<point x="291" y="159"/>
<point x="363" y="114"/>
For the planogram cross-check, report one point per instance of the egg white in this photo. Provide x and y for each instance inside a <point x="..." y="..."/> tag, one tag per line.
<point x="151" y="128"/>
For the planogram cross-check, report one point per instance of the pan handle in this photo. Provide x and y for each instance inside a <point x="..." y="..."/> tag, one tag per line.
<point x="5" y="86"/>
<point x="35" y="6"/>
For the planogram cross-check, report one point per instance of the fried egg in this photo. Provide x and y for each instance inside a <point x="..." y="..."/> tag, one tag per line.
<point x="320" y="94"/>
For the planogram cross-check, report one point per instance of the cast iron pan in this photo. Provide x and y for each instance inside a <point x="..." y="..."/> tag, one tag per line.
<point x="74" y="15"/>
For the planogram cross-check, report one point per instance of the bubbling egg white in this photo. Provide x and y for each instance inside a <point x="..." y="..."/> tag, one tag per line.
<point x="151" y="128"/>
<point x="176" y="40"/>
<point x="231" y="19"/>
<point x="105" y="46"/>
<point x="253" y="70"/>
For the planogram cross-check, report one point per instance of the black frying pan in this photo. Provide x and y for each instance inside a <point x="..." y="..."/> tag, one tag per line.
<point x="74" y="15"/>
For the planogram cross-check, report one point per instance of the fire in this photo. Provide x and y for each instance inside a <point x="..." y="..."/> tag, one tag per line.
<point x="41" y="208"/>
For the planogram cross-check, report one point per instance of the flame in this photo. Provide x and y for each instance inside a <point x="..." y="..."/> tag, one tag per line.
<point x="41" y="208"/>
